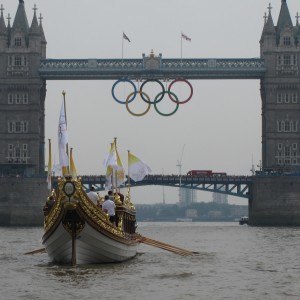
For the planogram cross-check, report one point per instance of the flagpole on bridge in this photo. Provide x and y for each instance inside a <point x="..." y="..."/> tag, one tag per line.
<point x="181" y="47"/>
<point x="122" y="47"/>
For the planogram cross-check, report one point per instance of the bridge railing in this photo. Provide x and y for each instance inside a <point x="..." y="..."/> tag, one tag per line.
<point x="152" y="67"/>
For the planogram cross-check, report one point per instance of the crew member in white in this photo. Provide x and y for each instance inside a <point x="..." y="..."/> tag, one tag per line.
<point x="109" y="207"/>
<point x="93" y="195"/>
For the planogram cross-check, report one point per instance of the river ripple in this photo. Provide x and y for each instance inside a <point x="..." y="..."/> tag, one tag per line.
<point x="234" y="262"/>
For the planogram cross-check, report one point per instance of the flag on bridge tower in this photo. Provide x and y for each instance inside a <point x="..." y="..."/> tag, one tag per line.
<point x="183" y="36"/>
<point x="125" y="37"/>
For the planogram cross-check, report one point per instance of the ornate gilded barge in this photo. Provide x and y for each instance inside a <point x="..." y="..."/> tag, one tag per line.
<point x="77" y="231"/>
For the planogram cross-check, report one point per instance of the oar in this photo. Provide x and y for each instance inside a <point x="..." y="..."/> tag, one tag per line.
<point x="42" y="250"/>
<point x="165" y="248"/>
<point x="168" y="247"/>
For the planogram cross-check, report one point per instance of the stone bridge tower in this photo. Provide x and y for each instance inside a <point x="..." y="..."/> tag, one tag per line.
<point x="22" y="95"/>
<point x="280" y="91"/>
<point x="22" y="119"/>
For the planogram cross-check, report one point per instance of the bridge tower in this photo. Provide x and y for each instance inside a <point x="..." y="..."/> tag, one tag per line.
<point x="280" y="92"/>
<point x="22" y="118"/>
<point x="22" y="95"/>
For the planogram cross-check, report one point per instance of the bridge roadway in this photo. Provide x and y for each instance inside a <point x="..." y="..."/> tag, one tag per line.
<point x="231" y="185"/>
<point x="152" y="67"/>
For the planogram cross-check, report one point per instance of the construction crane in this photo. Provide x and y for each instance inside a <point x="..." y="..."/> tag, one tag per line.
<point x="179" y="165"/>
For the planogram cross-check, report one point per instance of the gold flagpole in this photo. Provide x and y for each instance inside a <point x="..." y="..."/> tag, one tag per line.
<point x="128" y="175"/>
<point x="112" y="171"/>
<point x="50" y="165"/>
<point x="67" y="146"/>
<point x="116" y="173"/>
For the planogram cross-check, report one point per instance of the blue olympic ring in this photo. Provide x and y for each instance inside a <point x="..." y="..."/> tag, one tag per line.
<point x="133" y="94"/>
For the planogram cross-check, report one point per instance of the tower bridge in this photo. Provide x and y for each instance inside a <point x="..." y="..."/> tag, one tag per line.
<point x="25" y="68"/>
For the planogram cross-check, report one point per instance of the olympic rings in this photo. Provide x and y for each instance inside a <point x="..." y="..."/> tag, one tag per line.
<point x="188" y="83"/>
<point x="162" y="93"/>
<point x="158" y="98"/>
<point x="140" y="93"/>
<point x="132" y="94"/>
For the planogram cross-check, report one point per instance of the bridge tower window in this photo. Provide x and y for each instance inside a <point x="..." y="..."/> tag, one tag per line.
<point x="279" y="146"/>
<point x="18" y="61"/>
<point x="287" y="60"/>
<point x="18" y="41"/>
<point x="287" y="41"/>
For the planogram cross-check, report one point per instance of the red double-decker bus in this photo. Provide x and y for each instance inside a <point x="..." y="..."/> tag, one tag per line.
<point x="200" y="173"/>
<point x="205" y="173"/>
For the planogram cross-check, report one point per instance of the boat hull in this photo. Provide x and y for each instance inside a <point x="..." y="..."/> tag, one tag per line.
<point x="78" y="232"/>
<point x="91" y="247"/>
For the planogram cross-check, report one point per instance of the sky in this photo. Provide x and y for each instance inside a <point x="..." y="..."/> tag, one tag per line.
<point x="221" y="125"/>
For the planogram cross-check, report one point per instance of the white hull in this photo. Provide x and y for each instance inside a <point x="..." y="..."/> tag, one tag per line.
<point x="91" y="247"/>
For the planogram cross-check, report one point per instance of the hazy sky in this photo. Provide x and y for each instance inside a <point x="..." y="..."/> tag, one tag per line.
<point x="220" y="126"/>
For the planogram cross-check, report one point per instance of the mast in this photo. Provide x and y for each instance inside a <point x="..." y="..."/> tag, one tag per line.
<point x="67" y="145"/>
<point x="128" y="175"/>
<point x="116" y="173"/>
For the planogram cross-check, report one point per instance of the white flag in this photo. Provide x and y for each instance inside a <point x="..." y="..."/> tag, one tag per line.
<point x="63" y="140"/>
<point x="137" y="169"/>
<point x="111" y="159"/>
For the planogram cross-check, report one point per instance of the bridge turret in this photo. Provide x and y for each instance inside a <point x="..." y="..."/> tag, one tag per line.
<point x="20" y="28"/>
<point x="35" y="34"/>
<point x="3" y="31"/>
<point x="268" y="37"/>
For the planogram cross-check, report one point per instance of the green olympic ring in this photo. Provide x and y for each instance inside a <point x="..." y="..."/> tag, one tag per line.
<point x="166" y="114"/>
<point x="128" y="100"/>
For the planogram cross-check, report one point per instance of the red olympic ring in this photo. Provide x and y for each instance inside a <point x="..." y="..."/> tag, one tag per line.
<point x="182" y="80"/>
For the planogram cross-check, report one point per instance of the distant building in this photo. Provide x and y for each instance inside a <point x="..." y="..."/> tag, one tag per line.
<point x="191" y="213"/>
<point x="220" y="198"/>
<point x="187" y="196"/>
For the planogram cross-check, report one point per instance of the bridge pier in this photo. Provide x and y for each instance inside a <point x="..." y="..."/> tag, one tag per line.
<point x="275" y="201"/>
<point x="22" y="201"/>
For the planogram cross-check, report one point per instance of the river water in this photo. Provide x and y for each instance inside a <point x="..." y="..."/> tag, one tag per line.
<point x="234" y="262"/>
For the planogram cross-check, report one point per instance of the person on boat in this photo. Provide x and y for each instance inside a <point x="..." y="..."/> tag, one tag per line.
<point x="93" y="195"/>
<point x="111" y="195"/>
<point x="48" y="205"/>
<point x="109" y="207"/>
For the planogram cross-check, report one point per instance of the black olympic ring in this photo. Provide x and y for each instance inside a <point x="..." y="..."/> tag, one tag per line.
<point x="162" y="93"/>
<point x="123" y="80"/>
<point x="188" y="83"/>
<point x="140" y="93"/>
<point x="171" y="113"/>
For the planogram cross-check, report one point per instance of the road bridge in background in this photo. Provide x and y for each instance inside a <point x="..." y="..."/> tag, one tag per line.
<point x="231" y="185"/>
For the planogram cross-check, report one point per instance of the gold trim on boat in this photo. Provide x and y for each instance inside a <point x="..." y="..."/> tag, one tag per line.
<point x="88" y="211"/>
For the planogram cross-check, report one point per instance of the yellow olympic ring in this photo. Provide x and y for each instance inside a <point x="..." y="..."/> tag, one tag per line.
<point x="136" y="114"/>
